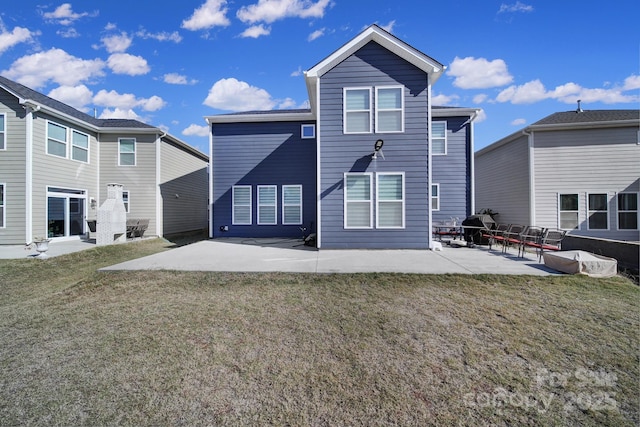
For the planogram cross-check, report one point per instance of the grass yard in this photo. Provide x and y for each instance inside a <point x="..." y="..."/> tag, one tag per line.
<point x="79" y="347"/>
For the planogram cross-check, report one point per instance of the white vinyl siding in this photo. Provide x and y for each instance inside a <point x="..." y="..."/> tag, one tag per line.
<point x="627" y="211"/>
<point x="241" y="201"/>
<point x="435" y="197"/>
<point x="56" y="139"/>
<point x="307" y="131"/>
<point x="126" y="152"/>
<point x="2" y="206"/>
<point x="267" y="204"/>
<point x="292" y="204"/>
<point x="438" y="138"/>
<point x="126" y="200"/>
<point x="358" y="212"/>
<point x="598" y="213"/>
<point x="79" y="146"/>
<point x="3" y="131"/>
<point x="568" y="211"/>
<point x="389" y="109"/>
<point x="357" y="110"/>
<point x="390" y="200"/>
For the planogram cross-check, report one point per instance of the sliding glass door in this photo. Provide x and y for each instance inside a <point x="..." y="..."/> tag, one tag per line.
<point x="65" y="212"/>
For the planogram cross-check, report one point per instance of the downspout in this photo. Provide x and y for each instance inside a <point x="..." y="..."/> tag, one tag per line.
<point x="159" y="201"/>
<point x="532" y="177"/>
<point x="30" y="108"/>
<point x="210" y="178"/>
<point x="429" y="177"/>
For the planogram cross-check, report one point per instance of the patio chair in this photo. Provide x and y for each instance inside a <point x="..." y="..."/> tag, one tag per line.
<point x="512" y="236"/>
<point x="530" y="238"/>
<point x="551" y="241"/>
<point x="496" y="235"/>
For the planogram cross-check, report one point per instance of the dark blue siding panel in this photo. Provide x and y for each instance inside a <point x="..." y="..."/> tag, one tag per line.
<point x="404" y="152"/>
<point x="262" y="154"/>
<point x="453" y="172"/>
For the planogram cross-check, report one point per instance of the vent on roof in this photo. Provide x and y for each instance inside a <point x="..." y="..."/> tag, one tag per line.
<point x="579" y="110"/>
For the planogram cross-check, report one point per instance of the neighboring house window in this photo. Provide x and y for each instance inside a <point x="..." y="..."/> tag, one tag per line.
<point x="2" y="206"/>
<point x="568" y="211"/>
<point x="357" y="200"/>
<point x="598" y="214"/>
<point x="3" y="131"/>
<point x="438" y="137"/>
<point x="357" y="110"/>
<point x="125" y="200"/>
<point x="390" y="200"/>
<point x="435" y="197"/>
<point x="127" y="152"/>
<point x="56" y="139"/>
<point x="79" y="146"/>
<point x="308" y="131"/>
<point x="292" y="204"/>
<point x="627" y="211"/>
<point x="267" y="204"/>
<point x="241" y="201"/>
<point x="389" y="109"/>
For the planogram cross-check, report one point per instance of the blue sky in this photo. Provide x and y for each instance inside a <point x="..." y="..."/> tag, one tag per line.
<point x="170" y="64"/>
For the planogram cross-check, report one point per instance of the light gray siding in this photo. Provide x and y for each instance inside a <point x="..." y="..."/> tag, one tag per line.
<point x="405" y="152"/>
<point x="139" y="180"/>
<point x="586" y="161"/>
<point x="12" y="170"/>
<point x="184" y="189"/>
<point x="502" y="182"/>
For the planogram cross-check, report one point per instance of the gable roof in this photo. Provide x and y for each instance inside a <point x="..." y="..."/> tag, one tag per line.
<point x="384" y="39"/>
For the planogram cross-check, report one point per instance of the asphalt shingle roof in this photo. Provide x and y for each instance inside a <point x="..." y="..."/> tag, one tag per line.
<point x="589" y="116"/>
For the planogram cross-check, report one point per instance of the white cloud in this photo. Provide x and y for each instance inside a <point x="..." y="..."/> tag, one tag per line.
<point x="273" y="10"/>
<point x="211" y="14"/>
<point x="316" y="34"/>
<point x="127" y="101"/>
<point x="480" y="98"/>
<point x="63" y="15"/>
<point x="178" y="79"/>
<point x="518" y="122"/>
<point x="124" y="63"/>
<point x="527" y="93"/>
<point x="53" y="65"/>
<point x="481" y="117"/>
<point x="234" y="95"/>
<point x="117" y="42"/>
<point x="516" y="7"/>
<point x="162" y="36"/>
<point x="118" y="113"/>
<point x="196" y="130"/>
<point x="16" y="36"/>
<point x="297" y="73"/>
<point x="389" y="26"/>
<point x="76" y="96"/>
<point x="479" y="73"/>
<point x="256" y="31"/>
<point x="286" y="104"/>
<point x="442" y="99"/>
<point x="68" y="33"/>
<point x="632" y="83"/>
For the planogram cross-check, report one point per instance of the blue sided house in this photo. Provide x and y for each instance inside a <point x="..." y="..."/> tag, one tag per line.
<point x="372" y="164"/>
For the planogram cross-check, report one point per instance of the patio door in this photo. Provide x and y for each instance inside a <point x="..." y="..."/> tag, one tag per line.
<point x="65" y="212"/>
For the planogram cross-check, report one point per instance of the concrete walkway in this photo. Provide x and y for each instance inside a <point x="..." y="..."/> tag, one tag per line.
<point x="270" y="255"/>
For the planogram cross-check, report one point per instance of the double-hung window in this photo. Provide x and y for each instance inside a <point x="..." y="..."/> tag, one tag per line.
<point x="389" y="109"/>
<point x="568" y="211"/>
<point x="358" y="212"/>
<point x="390" y="200"/>
<point x="56" y="139"/>
<point x="126" y="151"/>
<point x="292" y="204"/>
<point x="3" y="131"/>
<point x="241" y="202"/>
<point x="627" y="211"/>
<point x="435" y="197"/>
<point x="598" y="213"/>
<point x="357" y="110"/>
<point x="79" y="146"/>
<point x="438" y="138"/>
<point x="267" y="205"/>
<point x="126" y="200"/>
<point x="2" y="206"/>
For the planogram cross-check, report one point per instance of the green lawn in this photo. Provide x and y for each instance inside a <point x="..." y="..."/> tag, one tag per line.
<point x="78" y="347"/>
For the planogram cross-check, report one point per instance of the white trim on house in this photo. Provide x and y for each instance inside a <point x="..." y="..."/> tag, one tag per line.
<point x="49" y="137"/>
<point x="28" y="195"/>
<point x="597" y="211"/>
<point x="429" y="162"/>
<point x="266" y="116"/>
<point x="270" y="206"/>
<point x="378" y="109"/>
<point x="345" y="111"/>
<point x="437" y="196"/>
<point x="576" y="211"/>
<point x="72" y="145"/>
<point x="433" y="124"/>
<point x="285" y="205"/>
<point x="303" y="132"/>
<point x="3" y="205"/>
<point x="3" y="132"/>
<point x="233" y="204"/>
<point x="401" y="201"/>
<point x="619" y="211"/>
<point x="135" y="149"/>
<point x="368" y="201"/>
<point x="127" y="203"/>
<point x="318" y="176"/>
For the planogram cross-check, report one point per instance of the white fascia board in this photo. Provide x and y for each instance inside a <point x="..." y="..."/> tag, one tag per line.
<point x="264" y="117"/>
<point x="454" y="112"/>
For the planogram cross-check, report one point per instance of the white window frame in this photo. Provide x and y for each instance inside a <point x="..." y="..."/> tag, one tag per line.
<point x="436" y="197"/>
<point x="273" y="205"/>
<point x="369" y="175"/>
<point x="284" y="205"/>
<point x="619" y="211"/>
<point x="127" y="204"/>
<point x="593" y="211"/>
<point x="378" y="200"/>
<point x="3" y="205"/>
<point x="66" y="142"/>
<point x="303" y="133"/>
<point x="3" y="132"/>
<point x="401" y="109"/>
<point x="233" y="205"/>
<point x="344" y="109"/>
<point x="444" y="123"/>
<point x="72" y="146"/>
<point x="135" y="151"/>
<point x="576" y="211"/>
